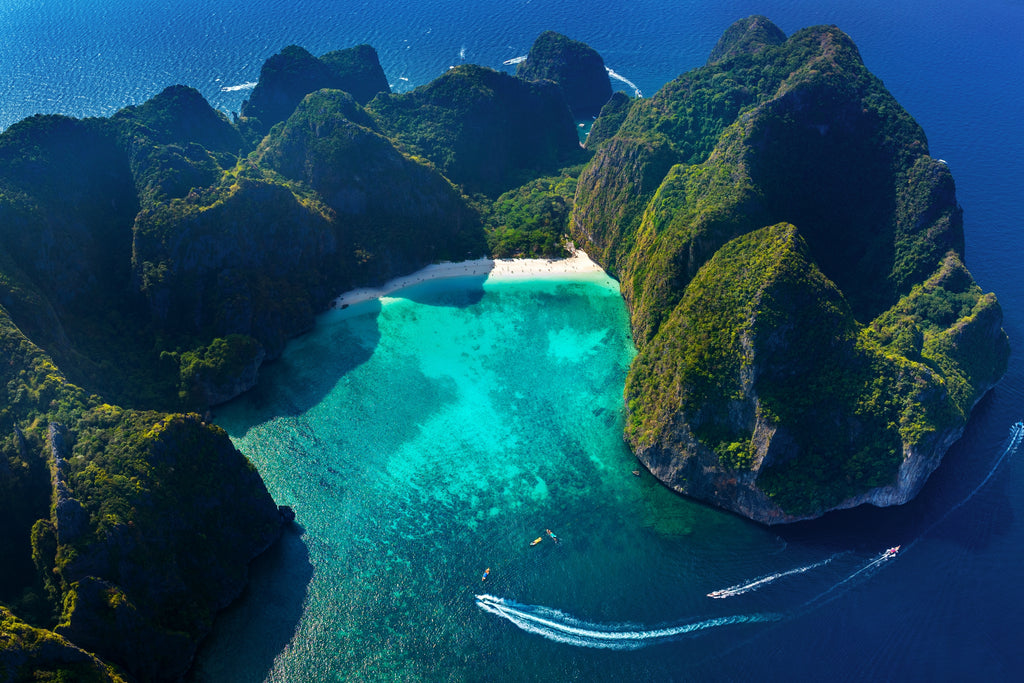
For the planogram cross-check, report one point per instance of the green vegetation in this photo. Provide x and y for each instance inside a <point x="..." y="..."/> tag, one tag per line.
<point x="484" y="130"/>
<point x="293" y="73"/>
<point x="613" y="113"/>
<point x="220" y="364"/>
<point x="746" y="36"/>
<point x="575" y="66"/>
<point x="150" y="262"/>
<point x="532" y="221"/>
<point x="34" y="654"/>
<point x="811" y="360"/>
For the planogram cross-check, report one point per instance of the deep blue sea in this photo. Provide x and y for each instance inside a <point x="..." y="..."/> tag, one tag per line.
<point x="430" y="436"/>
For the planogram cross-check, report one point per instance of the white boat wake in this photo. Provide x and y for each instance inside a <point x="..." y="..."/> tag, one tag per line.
<point x="625" y="80"/>
<point x="611" y="74"/>
<point x="564" y="628"/>
<point x="558" y="626"/>
<point x="740" y="589"/>
<point x="1016" y="436"/>
<point x="244" y="86"/>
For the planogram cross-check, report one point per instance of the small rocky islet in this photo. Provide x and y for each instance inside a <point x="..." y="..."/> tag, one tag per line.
<point x="791" y="257"/>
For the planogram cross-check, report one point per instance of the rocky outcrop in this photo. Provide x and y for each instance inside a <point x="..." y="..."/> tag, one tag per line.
<point x="746" y="36"/>
<point x="226" y="368"/>
<point x="69" y="517"/>
<point x="248" y="257"/>
<point x="161" y="556"/>
<point x="773" y="422"/>
<point x="293" y="73"/>
<point x="613" y="113"/>
<point x="484" y="130"/>
<point x="835" y="373"/>
<point x="333" y="146"/>
<point x="575" y="66"/>
<point x="359" y="72"/>
<point x="29" y="653"/>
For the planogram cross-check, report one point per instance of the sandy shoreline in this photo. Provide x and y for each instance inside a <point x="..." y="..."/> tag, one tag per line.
<point x="497" y="269"/>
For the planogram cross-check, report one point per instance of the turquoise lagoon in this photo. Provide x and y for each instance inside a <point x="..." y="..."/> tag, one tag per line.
<point x="369" y="429"/>
<point x="428" y="436"/>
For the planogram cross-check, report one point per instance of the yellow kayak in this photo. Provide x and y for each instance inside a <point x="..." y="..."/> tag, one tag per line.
<point x="536" y="540"/>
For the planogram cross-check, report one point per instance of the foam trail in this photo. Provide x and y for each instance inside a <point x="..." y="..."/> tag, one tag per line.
<point x="243" y="86"/>
<point x="740" y="589"/>
<point x="514" y="60"/>
<point x="560" y="627"/>
<point x="1016" y="436"/>
<point x="625" y="80"/>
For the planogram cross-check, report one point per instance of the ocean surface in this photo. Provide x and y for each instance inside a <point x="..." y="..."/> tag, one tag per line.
<point x="428" y="437"/>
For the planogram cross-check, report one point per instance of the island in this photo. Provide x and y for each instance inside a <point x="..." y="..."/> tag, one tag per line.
<point x="791" y="257"/>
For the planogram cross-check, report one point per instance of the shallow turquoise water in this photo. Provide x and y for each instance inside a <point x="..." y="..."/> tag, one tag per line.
<point x="947" y="609"/>
<point x="426" y="438"/>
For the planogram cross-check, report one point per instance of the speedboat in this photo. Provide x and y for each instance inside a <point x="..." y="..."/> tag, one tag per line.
<point x="892" y="551"/>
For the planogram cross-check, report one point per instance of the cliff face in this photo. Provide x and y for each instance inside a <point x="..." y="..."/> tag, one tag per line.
<point x="334" y="147"/>
<point x="168" y="516"/>
<point x="575" y="66"/>
<point x="144" y="522"/>
<point x="28" y="653"/>
<point x="484" y="130"/>
<point x="777" y="390"/>
<point x="747" y="36"/>
<point x="293" y="73"/>
<point x="154" y="260"/>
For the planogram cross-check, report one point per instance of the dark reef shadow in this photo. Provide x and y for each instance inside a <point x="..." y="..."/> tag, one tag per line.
<point x="288" y="387"/>
<point x="461" y="291"/>
<point x="251" y="632"/>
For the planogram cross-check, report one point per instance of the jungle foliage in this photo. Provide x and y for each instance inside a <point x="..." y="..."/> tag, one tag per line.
<point x="151" y="261"/>
<point x="853" y="340"/>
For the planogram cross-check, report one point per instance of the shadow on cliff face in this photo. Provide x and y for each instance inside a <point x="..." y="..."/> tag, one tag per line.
<point x="943" y="509"/>
<point x="342" y="340"/>
<point x="252" y="631"/>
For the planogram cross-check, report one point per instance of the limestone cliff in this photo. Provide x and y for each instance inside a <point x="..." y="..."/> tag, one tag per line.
<point x="167" y="517"/>
<point x="784" y="398"/>
<point x="484" y="130"/>
<point x="29" y="653"/>
<point x="293" y="73"/>
<point x="150" y="263"/>
<point x="575" y="66"/>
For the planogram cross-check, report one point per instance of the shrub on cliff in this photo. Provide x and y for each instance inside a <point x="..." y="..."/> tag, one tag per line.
<point x="751" y="391"/>
<point x="293" y="73"/>
<point x="575" y="66"/>
<point x="484" y="130"/>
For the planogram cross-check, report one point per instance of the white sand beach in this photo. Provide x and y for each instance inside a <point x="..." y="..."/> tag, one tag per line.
<point x="494" y="269"/>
